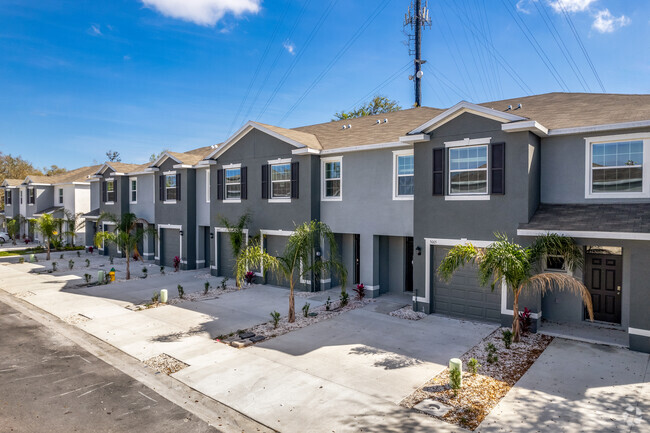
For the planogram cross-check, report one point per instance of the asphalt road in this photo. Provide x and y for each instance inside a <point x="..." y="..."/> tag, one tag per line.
<point x="49" y="384"/>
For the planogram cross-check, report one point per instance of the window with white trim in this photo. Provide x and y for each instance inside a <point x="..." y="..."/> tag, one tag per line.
<point x="281" y="180"/>
<point x="134" y="190"/>
<point x="332" y="178"/>
<point x="403" y="174"/>
<point x="232" y="180"/>
<point x="7" y="196"/>
<point x="31" y="196"/>
<point x="21" y="196"/>
<point x="60" y="195"/>
<point x="110" y="191"/>
<point x="617" y="167"/>
<point x="170" y="187"/>
<point x="468" y="170"/>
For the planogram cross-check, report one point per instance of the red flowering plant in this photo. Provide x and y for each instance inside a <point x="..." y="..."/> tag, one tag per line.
<point x="525" y="320"/>
<point x="249" y="277"/>
<point x="177" y="263"/>
<point x="91" y="249"/>
<point x="360" y="291"/>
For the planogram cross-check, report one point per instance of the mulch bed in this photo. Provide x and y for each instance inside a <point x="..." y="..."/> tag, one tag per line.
<point x="482" y="391"/>
<point x="164" y="363"/>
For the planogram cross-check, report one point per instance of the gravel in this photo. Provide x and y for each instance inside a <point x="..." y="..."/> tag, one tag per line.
<point x="164" y="363"/>
<point x="407" y="313"/>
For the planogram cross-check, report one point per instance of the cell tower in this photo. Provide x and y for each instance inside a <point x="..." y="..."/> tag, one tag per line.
<point x="417" y="18"/>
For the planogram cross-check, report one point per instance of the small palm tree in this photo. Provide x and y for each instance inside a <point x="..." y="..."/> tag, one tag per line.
<point x="237" y="238"/>
<point x="253" y="256"/>
<point x="518" y="268"/>
<point x="297" y="260"/>
<point x="13" y="227"/>
<point x="48" y="226"/>
<point x="74" y="223"/>
<point x="126" y="235"/>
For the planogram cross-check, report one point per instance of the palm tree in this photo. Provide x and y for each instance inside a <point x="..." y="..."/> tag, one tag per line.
<point x="519" y="268"/>
<point x="74" y="223"/>
<point x="13" y="227"/>
<point x="126" y="235"/>
<point x="48" y="226"/>
<point x="297" y="261"/>
<point x="253" y="256"/>
<point x="237" y="239"/>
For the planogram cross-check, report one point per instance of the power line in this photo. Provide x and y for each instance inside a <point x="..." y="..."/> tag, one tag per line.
<point x="582" y="47"/>
<point x="336" y="58"/>
<point x="453" y="87"/>
<point x="311" y="36"/>
<point x="388" y="80"/>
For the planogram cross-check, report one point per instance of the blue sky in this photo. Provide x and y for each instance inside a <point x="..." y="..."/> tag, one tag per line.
<point x="80" y="77"/>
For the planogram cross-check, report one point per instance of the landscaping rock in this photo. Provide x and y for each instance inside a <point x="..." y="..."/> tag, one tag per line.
<point x="257" y="338"/>
<point x="246" y="335"/>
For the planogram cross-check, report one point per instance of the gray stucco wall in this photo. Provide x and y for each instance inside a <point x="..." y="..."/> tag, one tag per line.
<point x="563" y="169"/>
<point x="44" y="198"/>
<point x="145" y="206"/>
<point x="95" y="195"/>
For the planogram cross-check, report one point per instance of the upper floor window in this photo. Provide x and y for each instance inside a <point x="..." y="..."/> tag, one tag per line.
<point x="31" y="196"/>
<point x="60" y="195"/>
<point x="331" y="172"/>
<point x="110" y="191"/>
<point x="134" y="191"/>
<point x="7" y="196"/>
<point x="615" y="167"/>
<point x="281" y="180"/>
<point x="403" y="175"/>
<point x="233" y="183"/>
<point x="21" y="196"/>
<point x="468" y="170"/>
<point x="170" y="187"/>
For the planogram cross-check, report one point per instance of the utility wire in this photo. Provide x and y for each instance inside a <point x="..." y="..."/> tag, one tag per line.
<point x="381" y="85"/>
<point x="582" y="47"/>
<point x="303" y="50"/>
<point x="495" y="68"/>
<point x="447" y="82"/>
<point x="336" y="58"/>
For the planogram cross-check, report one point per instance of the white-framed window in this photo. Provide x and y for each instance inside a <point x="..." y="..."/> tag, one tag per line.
<point x="554" y="263"/>
<point x="110" y="191"/>
<point x="232" y="182"/>
<point x="615" y="166"/>
<point x="468" y="170"/>
<point x="281" y="181"/>
<point x="207" y="185"/>
<point x="170" y="187"/>
<point x="403" y="175"/>
<point x="7" y="196"/>
<point x="31" y="195"/>
<point x="133" y="190"/>
<point x="60" y="195"/>
<point x="332" y="178"/>
<point x="21" y="196"/>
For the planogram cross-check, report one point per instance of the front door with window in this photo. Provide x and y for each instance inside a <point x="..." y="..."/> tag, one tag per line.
<point x="603" y="278"/>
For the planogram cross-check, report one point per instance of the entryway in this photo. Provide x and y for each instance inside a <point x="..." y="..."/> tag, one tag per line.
<point x="603" y="278"/>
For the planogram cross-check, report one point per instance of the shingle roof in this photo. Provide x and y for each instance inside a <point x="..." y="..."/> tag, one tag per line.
<point x="49" y="210"/>
<point x="570" y="110"/>
<point x="631" y="218"/>
<point x="12" y="182"/>
<point x="82" y="174"/>
<point x="366" y="130"/>
<point x="93" y="214"/>
<point x="186" y="158"/>
<point x="303" y="137"/>
<point x="122" y="167"/>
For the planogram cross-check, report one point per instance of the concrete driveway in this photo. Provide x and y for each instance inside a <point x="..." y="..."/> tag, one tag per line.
<point x="578" y="387"/>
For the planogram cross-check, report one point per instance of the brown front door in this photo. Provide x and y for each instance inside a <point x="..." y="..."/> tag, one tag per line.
<point x="603" y="278"/>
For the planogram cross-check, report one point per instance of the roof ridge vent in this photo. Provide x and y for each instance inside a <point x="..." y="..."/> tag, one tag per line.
<point x="344" y="127"/>
<point x="386" y="120"/>
<point x="378" y="121"/>
<point x="509" y="108"/>
<point x="349" y="125"/>
<point x="519" y="107"/>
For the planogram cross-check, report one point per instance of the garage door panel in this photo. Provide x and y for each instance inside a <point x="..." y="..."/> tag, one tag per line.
<point x="170" y="246"/>
<point x="463" y="296"/>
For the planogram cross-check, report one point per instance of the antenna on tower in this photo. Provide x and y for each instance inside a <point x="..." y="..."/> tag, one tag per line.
<point x="417" y="18"/>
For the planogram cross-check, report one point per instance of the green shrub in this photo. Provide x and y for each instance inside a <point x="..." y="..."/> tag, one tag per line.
<point x="473" y="365"/>
<point x="492" y="357"/>
<point x="507" y="338"/>
<point x="305" y="309"/>
<point x="61" y="257"/>
<point x="144" y="272"/>
<point x="87" y="263"/>
<point x="224" y="283"/>
<point x="71" y="264"/>
<point x="53" y="266"/>
<point x="275" y="317"/>
<point x="344" y="298"/>
<point x="181" y="291"/>
<point x="206" y="287"/>
<point x="155" y="297"/>
<point x="455" y="378"/>
<point x="78" y="254"/>
<point x="110" y="259"/>
<point x="87" y="277"/>
<point x="328" y="304"/>
<point x="162" y="270"/>
<point x="21" y="260"/>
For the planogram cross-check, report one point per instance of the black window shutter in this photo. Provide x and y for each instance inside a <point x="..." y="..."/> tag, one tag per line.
<point x="244" y="183"/>
<point x="220" y="184"/>
<point x="178" y="187"/>
<point x="295" y="175"/>
<point x="498" y="169"/>
<point x="265" y="181"/>
<point x="161" y="187"/>
<point x="439" y="171"/>
<point x="104" y="192"/>
<point x="115" y="190"/>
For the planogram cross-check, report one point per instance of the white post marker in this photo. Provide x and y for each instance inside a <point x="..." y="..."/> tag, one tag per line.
<point x="163" y="296"/>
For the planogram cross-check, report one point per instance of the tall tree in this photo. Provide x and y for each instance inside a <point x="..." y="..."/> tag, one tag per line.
<point x="237" y="236"/>
<point x="125" y="236"/>
<point x="54" y="170"/>
<point x="377" y="105"/>
<point x="74" y="223"/>
<point x="49" y="227"/>
<point x="14" y="167"/>
<point x="520" y="268"/>
<point x="154" y="157"/>
<point x="13" y="227"/>
<point x="113" y="156"/>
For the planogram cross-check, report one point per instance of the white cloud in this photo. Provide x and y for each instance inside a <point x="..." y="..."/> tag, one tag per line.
<point x="523" y="6"/>
<point x="290" y="47"/>
<point x="203" y="12"/>
<point x="95" y="30"/>
<point x="127" y="58"/>
<point x="605" y="22"/>
<point x="570" y="5"/>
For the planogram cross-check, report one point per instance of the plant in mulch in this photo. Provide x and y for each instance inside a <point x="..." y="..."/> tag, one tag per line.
<point x="206" y="287"/>
<point x="455" y="379"/>
<point x="155" y="297"/>
<point x="87" y="277"/>
<point x="78" y="254"/>
<point x="305" y="309"/>
<point x="177" y="263"/>
<point x="145" y="272"/>
<point x="249" y="277"/>
<point x="360" y="290"/>
<point x="21" y="260"/>
<point x="54" y="266"/>
<point x="71" y="264"/>
<point x="525" y="320"/>
<point x="275" y="317"/>
<point x="91" y="249"/>
<point x="507" y="337"/>
<point x="61" y="257"/>
<point x="344" y="298"/>
<point x="492" y="357"/>
<point x="473" y="365"/>
<point x="87" y="263"/>
<point x="110" y="259"/>
<point x="162" y="270"/>
<point x="224" y="283"/>
<point x="136" y="256"/>
<point x="328" y="304"/>
<point x="181" y="291"/>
